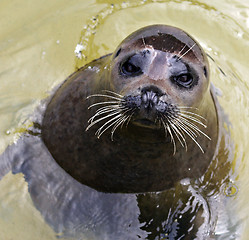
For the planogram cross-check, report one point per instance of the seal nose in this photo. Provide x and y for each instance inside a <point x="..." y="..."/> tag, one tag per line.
<point x="150" y="97"/>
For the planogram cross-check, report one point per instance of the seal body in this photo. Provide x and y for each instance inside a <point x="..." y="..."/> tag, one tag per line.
<point x="138" y="120"/>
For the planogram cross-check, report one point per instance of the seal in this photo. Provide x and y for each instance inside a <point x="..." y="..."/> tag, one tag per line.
<point x="139" y="119"/>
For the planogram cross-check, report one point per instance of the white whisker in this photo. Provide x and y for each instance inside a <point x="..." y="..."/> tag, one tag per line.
<point x="179" y="54"/>
<point x="194" y="128"/>
<point x="186" y="117"/>
<point x="143" y="42"/>
<point x="114" y="93"/>
<point x="109" y="108"/>
<point x="104" y="109"/>
<point x="114" y="107"/>
<point x="187" y="51"/>
<point x="97" y="114"/>
<point x="179" y="135"/>
<point x="129" y="119"/>
<point x="183" y="125"/>
<point x="167" y="128"/>
<point x="101" y="130"/>
<point x="100" y="119"/>
<point x="118" y="123"/>
<point x="182" y="107"/>
<point x="189" y="133"/>
<point x="102" y="103"/>
<point x="104" y="95"/>
<point x="113" y="113"/>
<point x="194" y="114"/>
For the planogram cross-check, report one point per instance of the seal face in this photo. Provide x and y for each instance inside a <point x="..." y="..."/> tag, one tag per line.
<point x="148" y="112"/>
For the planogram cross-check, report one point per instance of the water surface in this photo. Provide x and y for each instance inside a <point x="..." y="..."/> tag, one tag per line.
<point x="37" y="44"/>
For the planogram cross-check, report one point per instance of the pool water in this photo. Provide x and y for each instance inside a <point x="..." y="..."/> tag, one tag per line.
<point x="41" y="43"/>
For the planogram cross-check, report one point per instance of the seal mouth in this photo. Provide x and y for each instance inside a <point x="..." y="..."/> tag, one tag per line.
<point x="144" y="122"/>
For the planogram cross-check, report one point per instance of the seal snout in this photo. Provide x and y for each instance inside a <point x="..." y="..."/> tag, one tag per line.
<point x="148" y="106"/>
<point x="150" y="99"/>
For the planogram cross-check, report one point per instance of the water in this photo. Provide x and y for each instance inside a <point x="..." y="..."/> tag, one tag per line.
<point x="37" y="44"/>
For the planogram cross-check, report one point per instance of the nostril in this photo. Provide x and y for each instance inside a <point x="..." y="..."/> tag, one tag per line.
<point x="144" y="97"/>
<point x="149" y="99"/>
<point x="155" y="99"/>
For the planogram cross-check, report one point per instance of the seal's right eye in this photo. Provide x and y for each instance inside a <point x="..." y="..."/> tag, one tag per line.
<point x="131" y="67"/>
<point x="184" y="80"/>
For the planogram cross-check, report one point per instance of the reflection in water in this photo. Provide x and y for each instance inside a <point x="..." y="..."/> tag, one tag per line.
<point x="176" y="214"/>
<point x="66" y="205"/>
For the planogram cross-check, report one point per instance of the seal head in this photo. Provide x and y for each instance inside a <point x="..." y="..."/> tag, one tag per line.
<point x="148" y="112"/>
<point x="158" y="69"/>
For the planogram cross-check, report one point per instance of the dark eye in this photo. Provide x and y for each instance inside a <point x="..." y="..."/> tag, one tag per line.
<point x="184" y="80"/>
<point x="130" y="68"/>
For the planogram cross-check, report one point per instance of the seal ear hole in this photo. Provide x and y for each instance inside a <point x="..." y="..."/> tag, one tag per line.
<point x="205" y="71"/>
<point x="118" y="52"/>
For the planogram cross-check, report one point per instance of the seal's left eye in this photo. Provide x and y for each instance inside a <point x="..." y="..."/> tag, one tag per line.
<point x="131" y="67"/>
<point x="184" y="80"/>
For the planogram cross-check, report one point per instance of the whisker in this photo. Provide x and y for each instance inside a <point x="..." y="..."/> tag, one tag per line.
<point x="104" y="95"/>
<point x="184" y="125"/>
<point x="129" y="119"/>
<point x="100" y="131"/>
<point x="106" y="109"/>
<point x="167" y="128"/>
<point x="194" y="128"/>
<point x="182" y="107"/>
<point x="190" y="133"/>
<point x="103" y="111"/>
<point x="117" y="106"/>
<point x="186" y="117"/>
<point x="179" y="134"/>
<point x="187" y="51"/>
<point x="102" y="103"/>
<point x="143" y="42"/>
<point x="109" y="108"/>
<point x="102" y="118"/>
<point x="184" y="128"/>
<point x="114" y="93"/>
<point x="194" y="114"/>
<point x="118" y="123"/>
<point x="178" y="55"/>
<point x="111" y="112"/>
<point x="174" y="129"/>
